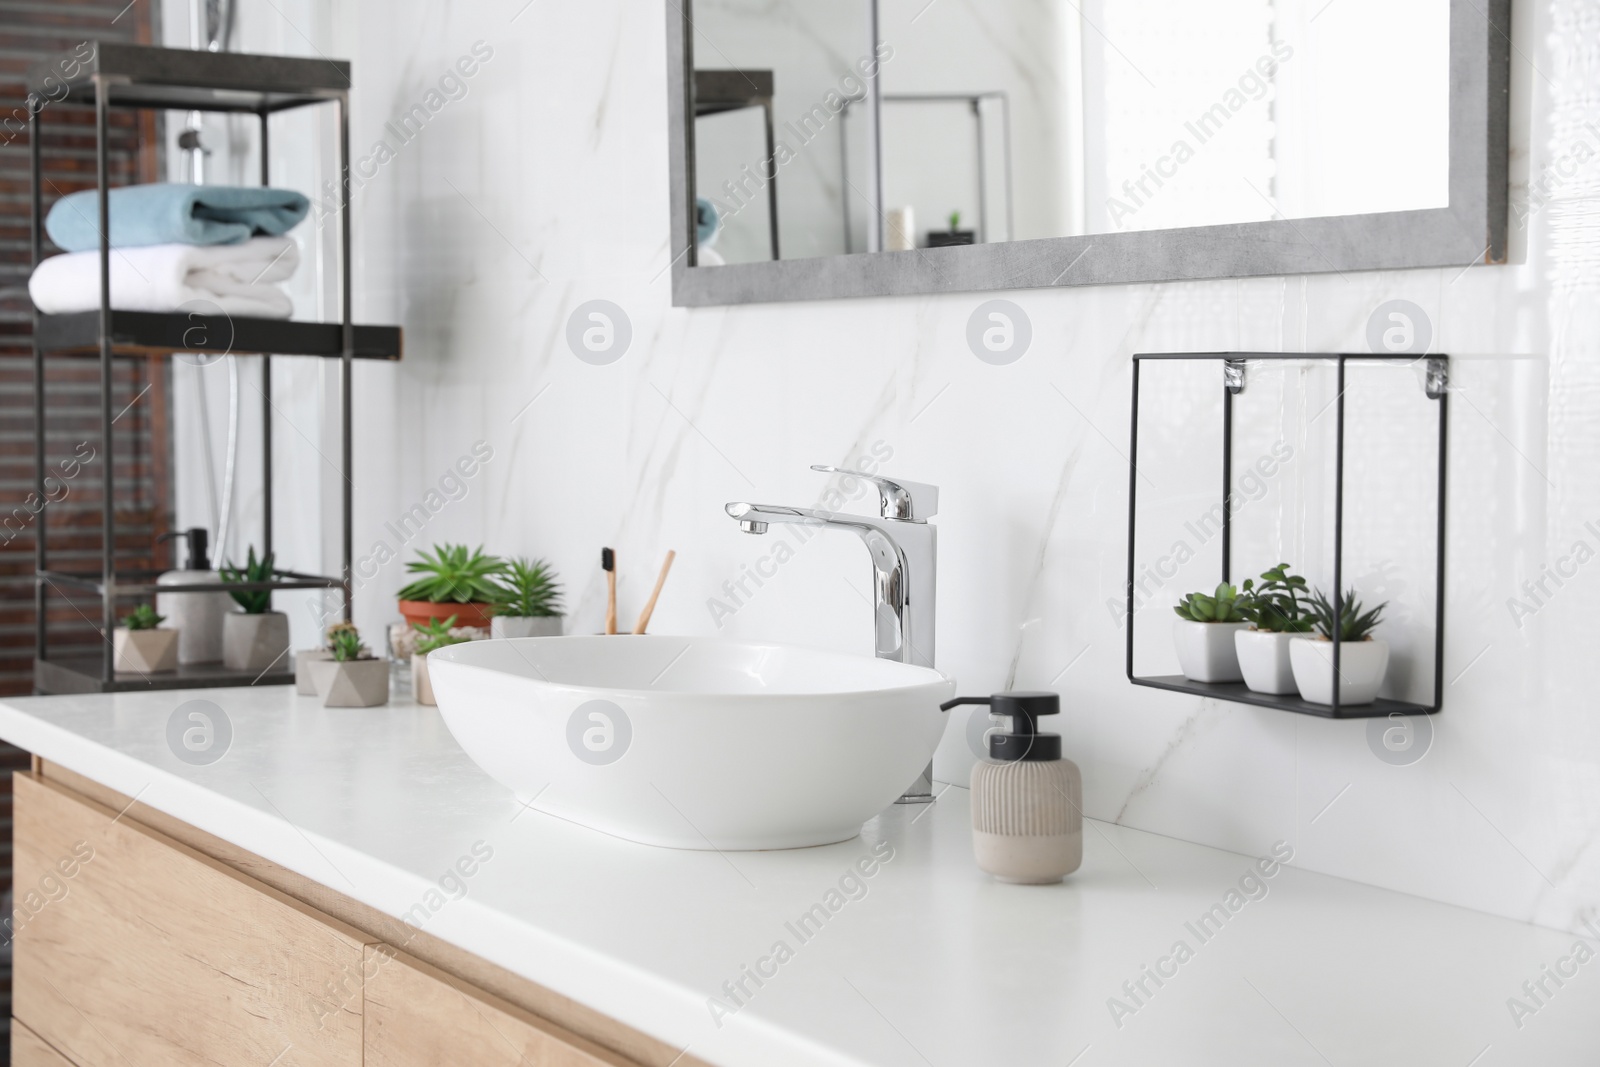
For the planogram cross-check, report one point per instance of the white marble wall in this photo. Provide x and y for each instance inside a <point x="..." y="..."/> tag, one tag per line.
<point x="546" y="186"/>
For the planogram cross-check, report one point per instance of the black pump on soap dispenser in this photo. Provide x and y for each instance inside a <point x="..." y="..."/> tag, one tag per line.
<point x="1027" y="802"/>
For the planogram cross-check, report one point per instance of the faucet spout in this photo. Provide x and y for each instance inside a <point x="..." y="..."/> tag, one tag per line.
<point x="903" y="555"/>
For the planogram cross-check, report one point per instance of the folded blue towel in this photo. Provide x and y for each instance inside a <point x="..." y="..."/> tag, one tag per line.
<point x="163" y="213"/>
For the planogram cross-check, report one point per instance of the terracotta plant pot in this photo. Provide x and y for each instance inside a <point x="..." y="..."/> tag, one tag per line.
<point x="304" y="681"/>
<point x="1362" y="665"/>
<point x="254" y="642"/>
<point x="354" y="683"/>
<point x="421" y="688"/>
<point x="504" y="626"/>
<point x="1206" y="651"/>
<point x="423" y="611"/>
<point x="145" y="651"/>
<point x="1264" y="661"/>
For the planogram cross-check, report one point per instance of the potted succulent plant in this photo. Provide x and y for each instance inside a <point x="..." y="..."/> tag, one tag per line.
<point x="353" y="677"/>
<point x="455" y="582"/>
<point x="1363" y="659"/>
<point x="529" y="601"/>
<point x="1204" y="634"/>
<point x="304" y="682"/>
<point x="139" y="645"/>
<point x="435" y="633"/>
<point x="255" y="637"/>
<point x="1277" y="614"/>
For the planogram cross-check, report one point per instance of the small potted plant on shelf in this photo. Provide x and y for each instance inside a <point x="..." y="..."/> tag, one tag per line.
<point x="1277" y="615"/>
<point x="529" y="601"/>
<point x="255" y="637"/>
<point x="1363" y="659"/>
<point x="455" y="582"/>
<point x="433" y="634"/>
<point x="1204" y="634"/>
<point x="304" y="681"/>
<point x="139" y="645"/>
<point x="955" y="235"/>
<point x="353" y="677"/>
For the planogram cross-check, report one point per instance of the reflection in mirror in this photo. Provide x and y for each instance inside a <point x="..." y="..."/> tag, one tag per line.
<point x="1016" y="119"/>
<point x="789" y="67"/>
<point x="1159" y="114"/>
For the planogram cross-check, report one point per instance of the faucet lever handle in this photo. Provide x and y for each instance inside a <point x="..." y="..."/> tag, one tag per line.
<point x="900" y="499"/>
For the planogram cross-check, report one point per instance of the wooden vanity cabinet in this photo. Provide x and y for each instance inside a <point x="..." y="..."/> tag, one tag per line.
<point x="135" y="948"/>
<point x="131" y="948"/>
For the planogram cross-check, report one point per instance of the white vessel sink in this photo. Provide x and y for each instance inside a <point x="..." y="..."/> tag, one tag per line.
<point x="693" y="742"/>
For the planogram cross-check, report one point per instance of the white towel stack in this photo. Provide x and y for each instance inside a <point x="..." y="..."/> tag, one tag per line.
<point x="239" y="279"/>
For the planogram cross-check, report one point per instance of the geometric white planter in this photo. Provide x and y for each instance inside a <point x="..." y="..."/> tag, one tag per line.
<point x="504" y="626"/>
<point x="304" y="683"/>
<point x="145" y="651"/>
<point x="1206" y="650"/>
<point x="1264" y="661"/>
<point x="1362" y="665"/>
<point x="354" y="683"/>
<point x="254" y="642"/>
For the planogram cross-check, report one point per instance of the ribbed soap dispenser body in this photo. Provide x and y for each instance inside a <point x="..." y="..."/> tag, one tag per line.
<point x="1027" y="802"/>
<point x="1027" y="821"/>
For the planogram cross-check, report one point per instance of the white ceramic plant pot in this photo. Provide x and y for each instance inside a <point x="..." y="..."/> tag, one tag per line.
<point x="503" y="626"/>
<point x="1362" y="665"/>
<point x="304" y="681"/>
<point x="145" y="651"/>
<point x="254" y="642"/>
<point x="421" y="687"/>
<point x="355" y="683"/>
<point x="1264" y="660"/>
<point x="1206" y="651"/>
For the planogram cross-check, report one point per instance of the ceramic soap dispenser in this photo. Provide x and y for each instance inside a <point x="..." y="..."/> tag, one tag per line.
<point x="197" y="616"/>
<point x="1027" y="802"/>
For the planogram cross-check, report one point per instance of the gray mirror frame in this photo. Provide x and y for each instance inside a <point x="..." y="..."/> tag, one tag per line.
<point x="1471" y="230"/>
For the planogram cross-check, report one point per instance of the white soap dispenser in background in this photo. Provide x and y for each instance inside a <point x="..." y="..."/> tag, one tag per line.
<point x="1027" y="802"/>
<point x="196" y="616"/>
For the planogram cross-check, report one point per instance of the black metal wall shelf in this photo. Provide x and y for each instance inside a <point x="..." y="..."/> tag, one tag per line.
<point x="1232" y="382"/>
<point x="147" y="333"/>
<point x="115" y="74"/>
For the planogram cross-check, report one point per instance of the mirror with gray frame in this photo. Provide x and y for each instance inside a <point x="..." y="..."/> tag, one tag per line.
<point x="834" y="148"/>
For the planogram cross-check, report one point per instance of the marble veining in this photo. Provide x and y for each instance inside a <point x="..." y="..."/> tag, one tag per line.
<point x="546" y="187"/>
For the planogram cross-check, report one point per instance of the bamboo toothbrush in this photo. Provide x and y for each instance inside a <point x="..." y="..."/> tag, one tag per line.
<point x="608" y="563"/>
<point x="650" y="605"/>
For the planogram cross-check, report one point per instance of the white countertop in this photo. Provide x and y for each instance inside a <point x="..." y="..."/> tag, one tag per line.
<point x="935" y="964"/>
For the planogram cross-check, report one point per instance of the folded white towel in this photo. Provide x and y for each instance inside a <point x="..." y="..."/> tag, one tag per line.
<point x="236" y="279"/>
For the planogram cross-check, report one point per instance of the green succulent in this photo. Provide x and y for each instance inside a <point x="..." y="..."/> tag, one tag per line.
<point x="332" y="633"/>
<point x="435" y="634"/>
<point x="955" y="221"/>
<point x="454" y="575"/>
<point x="1275" y="605"/>
<point x="1353" y="624"/>
<point x="1224" y="605"/>
<point x="143" y="617"/>
<point x="253" y="601"/>
<point x="528" y="588"/>
<point x="345" y="643"/>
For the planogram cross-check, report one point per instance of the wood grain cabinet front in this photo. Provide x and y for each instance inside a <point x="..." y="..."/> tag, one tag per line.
<point x="418" y="1016"/>
<point x="134" y="949"/>
<point x="28" y="1049"/>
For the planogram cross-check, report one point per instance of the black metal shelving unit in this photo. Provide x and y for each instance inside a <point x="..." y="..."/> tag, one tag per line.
<point x="1436" y="382"/>
<point x="144" y="77"/>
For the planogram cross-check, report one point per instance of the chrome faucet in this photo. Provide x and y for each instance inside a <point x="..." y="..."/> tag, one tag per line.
<point x="904" y="551"/>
